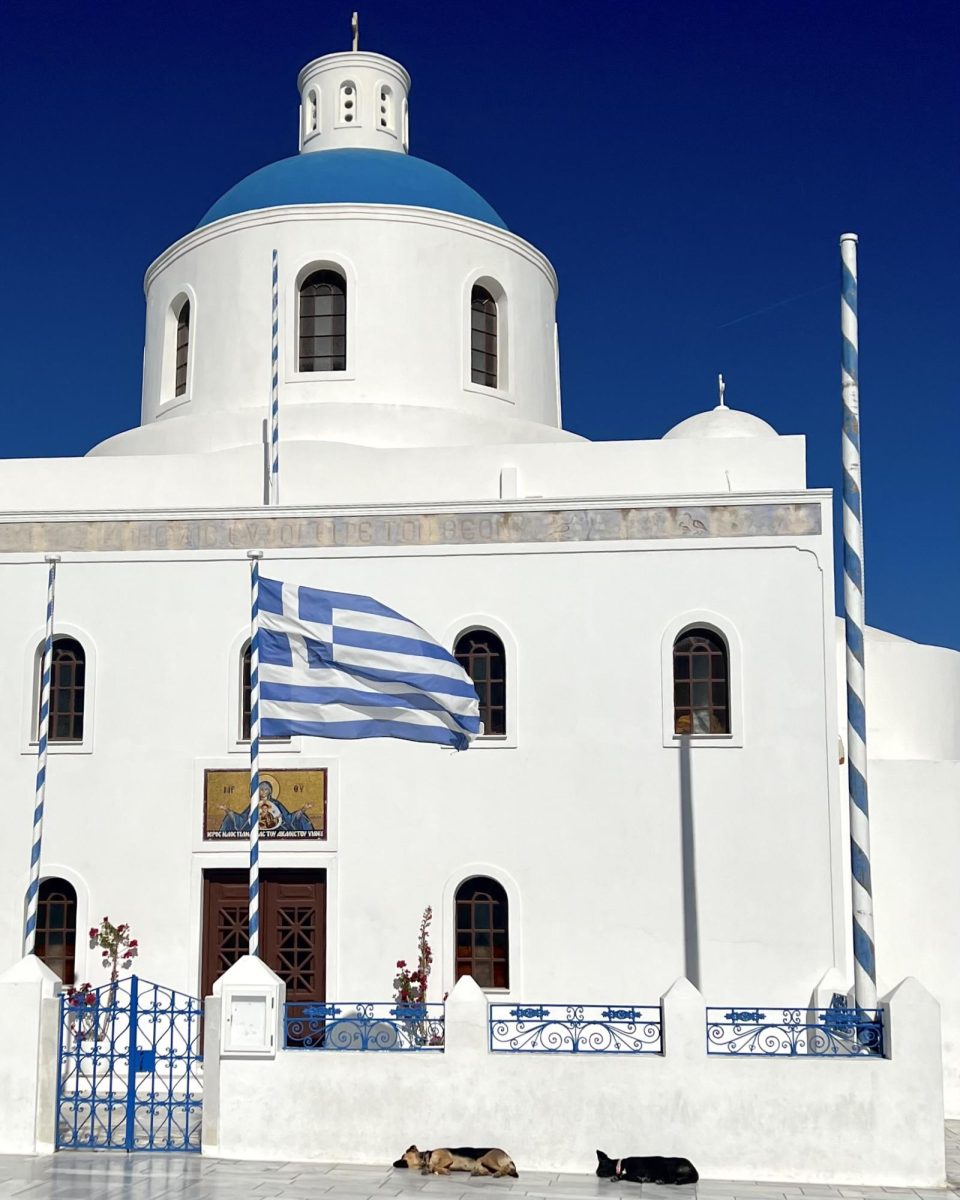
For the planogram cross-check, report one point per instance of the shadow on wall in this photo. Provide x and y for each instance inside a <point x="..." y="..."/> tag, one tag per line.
<point x="691" y="927"/>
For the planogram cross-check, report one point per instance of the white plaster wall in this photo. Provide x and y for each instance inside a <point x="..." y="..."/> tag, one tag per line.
<point x="915" y="841"/>
<point x="28" y="1058"/>
<point x="409" y="274"/>
<point x="583" y="814"/>
<point x="812" y="1120"/>
<point x="913" y="697"/>
<point x="913" y="739"/>
<point x="314" y="472"/>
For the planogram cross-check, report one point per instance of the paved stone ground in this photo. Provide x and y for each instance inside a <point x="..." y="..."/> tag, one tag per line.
<point x="84" y="1175"/>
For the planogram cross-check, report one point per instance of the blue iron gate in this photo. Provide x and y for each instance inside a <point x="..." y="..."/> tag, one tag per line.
<point x="130" y="1073"/>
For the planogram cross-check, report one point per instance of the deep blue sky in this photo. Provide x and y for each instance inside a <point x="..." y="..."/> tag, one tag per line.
<point x="683" y="164"/>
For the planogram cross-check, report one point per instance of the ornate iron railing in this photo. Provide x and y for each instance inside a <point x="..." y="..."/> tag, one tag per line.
<point x="834" y="1032"/>
<point x="364" y="1026"/>
<point x="576" y="1028"/>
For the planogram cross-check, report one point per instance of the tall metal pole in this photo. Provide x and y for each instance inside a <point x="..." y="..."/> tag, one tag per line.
<point x="43" y="729"/>
<point x="865" y="970"/>
<point x="274" y="489"/>
<point x="254" y="894"/>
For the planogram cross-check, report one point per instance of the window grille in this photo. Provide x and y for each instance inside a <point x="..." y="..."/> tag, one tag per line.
<point x="481" y="655"/>
<point x="701" y="692"/>
<point x="483" y="337"/>
<point x="67" y="686"/>
<point x="483" y="948"/>
<point x="245" y="694"/>
<point x="183" y="350"/>
<point x="56" y="934"/>
<point x="323" y="322"/>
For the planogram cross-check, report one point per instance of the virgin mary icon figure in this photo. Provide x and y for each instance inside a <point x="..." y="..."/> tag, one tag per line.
<point x="273" y="816"/>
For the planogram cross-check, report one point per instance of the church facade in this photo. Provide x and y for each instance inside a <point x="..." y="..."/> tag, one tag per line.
<point x="659" y="789"/>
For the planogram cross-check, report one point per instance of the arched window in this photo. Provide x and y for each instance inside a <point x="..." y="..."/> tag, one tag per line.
<point x="67" y="685"/>
<point x="481" y="655"/>
<point x="245" y="694"/>
<point x="312" y="120"/>
<point x="701" y="692"/>
<point x="323" y="322"/>
<point x="56" y="936"/>
<point x="387" y="117"/>
<point x="483" y="337"/>
<point x="183" y="350"/>
<point x="483" y="938"/>
<point x="348" y="103"/>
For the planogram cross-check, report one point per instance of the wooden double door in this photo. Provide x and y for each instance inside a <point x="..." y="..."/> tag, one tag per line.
<point x="293" y="918"/>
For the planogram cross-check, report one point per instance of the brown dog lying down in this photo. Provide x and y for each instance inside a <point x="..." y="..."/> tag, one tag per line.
<point x="485" y="1160"/>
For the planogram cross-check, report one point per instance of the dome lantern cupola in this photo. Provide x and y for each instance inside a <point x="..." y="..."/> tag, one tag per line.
<point x="353" y="100"/>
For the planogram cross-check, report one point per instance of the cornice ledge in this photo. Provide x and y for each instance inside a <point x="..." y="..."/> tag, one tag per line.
<point x="401" y="213"/>
<point x="414" y="508"/>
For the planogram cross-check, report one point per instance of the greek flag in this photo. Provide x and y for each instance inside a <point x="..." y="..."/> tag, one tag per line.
<point x="337" y="665"/>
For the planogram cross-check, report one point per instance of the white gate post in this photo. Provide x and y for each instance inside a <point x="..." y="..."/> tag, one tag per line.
<point x="28" y="1065"/>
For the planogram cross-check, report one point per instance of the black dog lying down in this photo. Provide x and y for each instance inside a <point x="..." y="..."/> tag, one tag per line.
<point x="647" y="1169"/>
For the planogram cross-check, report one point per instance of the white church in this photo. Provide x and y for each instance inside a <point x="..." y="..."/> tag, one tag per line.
<point x="656" y="812"/>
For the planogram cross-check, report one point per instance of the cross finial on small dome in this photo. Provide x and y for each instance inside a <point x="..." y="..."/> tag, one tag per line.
<point x="721" y="388"/>
<point x="355" y="29"/>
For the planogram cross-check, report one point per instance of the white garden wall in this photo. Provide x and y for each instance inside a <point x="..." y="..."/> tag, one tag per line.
<point x="807" y="1118"/>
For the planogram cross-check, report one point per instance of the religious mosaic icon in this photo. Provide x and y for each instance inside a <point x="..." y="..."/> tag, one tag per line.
<point x="292" y="805"/>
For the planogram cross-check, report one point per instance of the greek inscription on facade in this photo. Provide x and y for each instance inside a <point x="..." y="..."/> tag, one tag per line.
<point x="439" y="529"/>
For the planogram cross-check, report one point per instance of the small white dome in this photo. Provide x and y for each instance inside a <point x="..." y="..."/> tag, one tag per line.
<point x="722" y="422"/>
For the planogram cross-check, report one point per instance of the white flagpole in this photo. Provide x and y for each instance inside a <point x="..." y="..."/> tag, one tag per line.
<point x="254" y="894"/>
<point x="864" y="954"/>
<point x="43" y="730"/>
<point x="274" y="490"/>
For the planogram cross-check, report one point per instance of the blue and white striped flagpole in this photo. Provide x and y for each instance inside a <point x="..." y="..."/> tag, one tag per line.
<point x="275" y="390"/>
<point x="865" y="970"/>
<point x="254" y="922"/>
<point x="43" y="729"/>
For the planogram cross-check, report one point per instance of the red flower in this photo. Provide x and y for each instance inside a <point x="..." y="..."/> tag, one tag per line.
<point x="93" y="932"/>
<point x="401" y="962"/>
<point x="91" y="998"/>
<point x="134" y="943"/>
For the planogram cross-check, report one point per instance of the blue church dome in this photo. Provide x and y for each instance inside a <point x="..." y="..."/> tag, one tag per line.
<point x="353" y="176"/>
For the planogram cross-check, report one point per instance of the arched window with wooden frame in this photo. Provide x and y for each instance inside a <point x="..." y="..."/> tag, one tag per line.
<point x="182" y="351"/>
<point x="480" y="652"/>
<point x="701" y="683"/>
<point x="483" y="932"/>
<point x="484" y="353"/>
<point x="246" y="692"/>
<point x="322" y="328"/>
<point x="68" y="669"/>
<point x="56" y="933"/>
